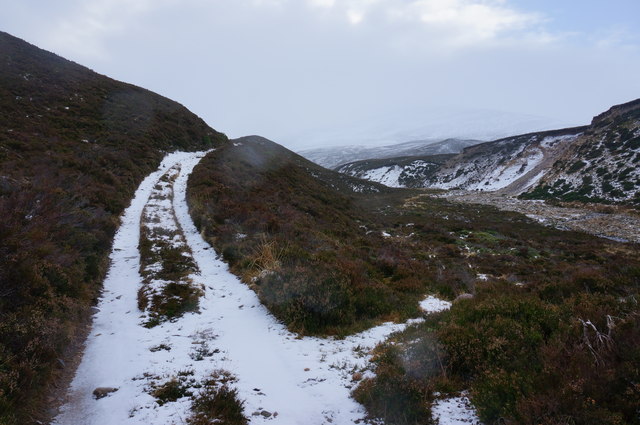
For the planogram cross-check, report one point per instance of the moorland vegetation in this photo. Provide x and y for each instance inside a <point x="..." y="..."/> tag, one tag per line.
<point x="550" y="336"/>
<point x="74" y="146"/>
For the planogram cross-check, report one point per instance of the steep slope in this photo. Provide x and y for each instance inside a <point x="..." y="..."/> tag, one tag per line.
<point x="264" y="155"/>
<point x="514" y="163"/>
<point x="335" y="156"/>
<point x="74" y="145"/>
<point x="603" y="165"/>
<point x="411" y="171"/>
<point x="275" y="217"/>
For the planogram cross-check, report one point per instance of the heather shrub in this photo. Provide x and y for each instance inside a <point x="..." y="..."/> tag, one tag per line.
<point x="66" y="175"/>
<point x="550" y="335"/>
<point x="217" y="402"/>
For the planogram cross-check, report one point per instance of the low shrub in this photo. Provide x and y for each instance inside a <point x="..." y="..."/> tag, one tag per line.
<point x="217" y="402"/>
<point x="74" y="147"/>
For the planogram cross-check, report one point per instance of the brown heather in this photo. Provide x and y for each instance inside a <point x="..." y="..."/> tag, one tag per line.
<point x="551" y="337"/>
<point x="74" y="146"/>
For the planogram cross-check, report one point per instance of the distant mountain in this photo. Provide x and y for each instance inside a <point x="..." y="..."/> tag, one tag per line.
<point x="74" y="146"/>
<point x="334" y="156"/>
<point x="420" y="123"/>
<point x="594" y="163"/>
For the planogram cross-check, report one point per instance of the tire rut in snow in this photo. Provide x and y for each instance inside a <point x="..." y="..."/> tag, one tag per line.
<point x="166" y="261"/>
<point x="306" y="380"/>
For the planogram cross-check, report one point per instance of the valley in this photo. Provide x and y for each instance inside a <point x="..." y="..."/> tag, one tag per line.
<point x="227" y="342"/>
<point x="616" y="223"/>
<point x="235" y="281"/>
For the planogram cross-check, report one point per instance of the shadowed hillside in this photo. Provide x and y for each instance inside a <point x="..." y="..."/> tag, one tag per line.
<point x="74" y="146"/>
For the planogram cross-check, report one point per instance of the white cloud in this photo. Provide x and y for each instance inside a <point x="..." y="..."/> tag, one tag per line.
<point x="275" y="67"/>
<point x="446" y="24"/>
<point x="355" y="16"/>
<point x="434" y="24"/>
<point x="470" y="21"/>
<point x="322" y="3"/>
<point x="617" y="37"/>
<point x="83" y="32"/>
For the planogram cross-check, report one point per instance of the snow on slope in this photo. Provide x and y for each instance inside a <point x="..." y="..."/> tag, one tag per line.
<point x="502" y="177"/>
<point x="455" y="411"/>
<point x="512" y="165"/>
<point x="388" y="176"/>
<point x="305" y="380"/>
<point x="395" y="172"/>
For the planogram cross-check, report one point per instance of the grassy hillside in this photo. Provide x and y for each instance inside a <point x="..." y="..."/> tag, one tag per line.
<point x="551" y="335"/>
<point x="74" y="146"/>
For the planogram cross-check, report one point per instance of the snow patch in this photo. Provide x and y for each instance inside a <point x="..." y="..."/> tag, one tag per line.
<point x="551" y="141"/>
<point x="432" y="304"/>
<point x="388" y="176"/>
<point x="455" y="411"/>
<point x="503" y="177"/>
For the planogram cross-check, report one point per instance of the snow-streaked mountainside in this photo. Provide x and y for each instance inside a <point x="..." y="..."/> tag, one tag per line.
<point x="412" y="171"/>
<point x="599" y="162"/>
<point x="511" y="165"/>
<point x="335" y="156"/>
<point x="601" y="165"/>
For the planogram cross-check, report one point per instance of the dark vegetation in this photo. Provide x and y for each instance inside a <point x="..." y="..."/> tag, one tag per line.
<point x="213" y="400"/>
<point x="74" y="146"/>
<point x="315" y="257"/>
<point x="551" y="336"/>
<point x="175" y="388"/>
<point x="217" y="402"/>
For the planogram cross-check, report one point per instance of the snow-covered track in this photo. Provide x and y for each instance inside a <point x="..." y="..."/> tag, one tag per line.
<point x="282" y="378"/>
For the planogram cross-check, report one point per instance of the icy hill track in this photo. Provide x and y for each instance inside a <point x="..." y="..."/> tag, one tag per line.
<point x="305" y="380"/>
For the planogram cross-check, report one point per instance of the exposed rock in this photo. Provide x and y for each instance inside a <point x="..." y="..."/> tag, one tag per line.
<point x="463" y="297"/>
<point x="102" y="392"/>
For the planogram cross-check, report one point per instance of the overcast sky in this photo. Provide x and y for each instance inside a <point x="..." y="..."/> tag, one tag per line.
<point x="289" y="69"/>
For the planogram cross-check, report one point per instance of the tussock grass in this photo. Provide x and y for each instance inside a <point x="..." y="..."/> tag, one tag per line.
<point x="217" y="402"/>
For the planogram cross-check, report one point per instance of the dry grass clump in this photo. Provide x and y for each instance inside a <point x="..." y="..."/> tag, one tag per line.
<point x="217" y="402"/>
<point x="167" y="292"/>
<point x="175" y="388"/>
